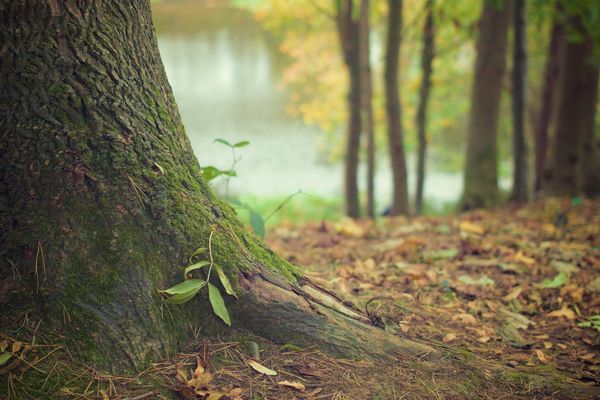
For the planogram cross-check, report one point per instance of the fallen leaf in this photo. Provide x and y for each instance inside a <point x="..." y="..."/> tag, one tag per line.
<point x="565" y="312"/>
<point x="465" y="318"/>
<point x="215" y="396"/>
<point x="470" y="227"/>
<point x="524" y="259"/>
<point x="180" y="374"/>
<point x="541" y="356"/>
<point x="513" y="294"/>
<point x="16" y="346"/>
<point x="261" y="368"/>
<point x="484" y="339"/>
<point x="449" y="337"/>
<point x="104" y="395"/>
<point x="294" y="384"/>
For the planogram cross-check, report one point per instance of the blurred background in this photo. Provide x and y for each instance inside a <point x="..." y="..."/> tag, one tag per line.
<point x="272" y="72"/>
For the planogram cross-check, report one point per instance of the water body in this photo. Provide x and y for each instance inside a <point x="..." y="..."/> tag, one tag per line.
<point x="225" y="71"/>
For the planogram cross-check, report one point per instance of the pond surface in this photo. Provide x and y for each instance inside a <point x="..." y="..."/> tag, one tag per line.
<point x="225" y="71"/>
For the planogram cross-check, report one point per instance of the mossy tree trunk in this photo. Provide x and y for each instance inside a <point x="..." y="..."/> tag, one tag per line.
<point x="573" y="165"/>
<point x="102" y="201"/>
<point x="394" y="110"/>
<point x="481" y="169"/>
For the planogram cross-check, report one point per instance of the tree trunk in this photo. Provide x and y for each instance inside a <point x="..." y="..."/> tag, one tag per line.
<point x="520" y="192"/>
<point x="551" y="74"/>
<point x="427" y="55"/>
<point x="102" y="202"/>
<point x="367" y="104"/>
<point x="395" y="134"/>
<point x="481" y="170"/>
<point x="573" y="167"/>
<point x="348" y="30"/>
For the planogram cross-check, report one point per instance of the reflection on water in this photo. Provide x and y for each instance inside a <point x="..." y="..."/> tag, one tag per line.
<point x="224" y="71"/>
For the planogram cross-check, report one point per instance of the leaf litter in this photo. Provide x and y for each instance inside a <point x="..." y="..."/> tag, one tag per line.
<point x="510" y="298"/>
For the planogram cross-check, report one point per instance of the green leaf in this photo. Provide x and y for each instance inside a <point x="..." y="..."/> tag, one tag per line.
<point x="197" y="252"/>
<point x="218" y="305"/>
<point x="559" y="280"/>
<point x="223" y="141"/>
<point x="186" y="286"/>
<point x="242" y="143"/>
<point x="257" y="223"/>
<point x="182" y="297"/>
<point x="4" y="357"/>
<point x="225" y="281"/>
<point x="193" y="267"/>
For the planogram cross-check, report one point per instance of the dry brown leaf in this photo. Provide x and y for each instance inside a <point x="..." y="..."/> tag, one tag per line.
<point x="524" y="259"/>
<point x="449" y="337"/>
<point x="4" y="345"/>
<point x="470" y="227"/>
<point x="293" y="384"/>
<point x="181" y="374"/>
<point x="215" y="396"/>
<point x="465" y="318"/>
<point x="261" y="368"/>
<point x="16" y="346"/>
<point x="513" y="294"/>
<point x="548" y="345"/>
<point x="484" y="339"/>
<point x="565" y="312"/>
<point x="104" y="395"/>
<point x="541" y="356"/>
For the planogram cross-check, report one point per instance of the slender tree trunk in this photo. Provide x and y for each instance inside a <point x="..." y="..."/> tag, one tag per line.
<point x="481" y="170"/>
<point x="573" y="167"/>
<point x="367" y="104"/>
<point x="394" y="112"/>
<point x="427" y="55"/>
<point x="102" y="202"/>
<point x="520" y="191"/>
<point x="348" y="30"/>
<point x="551" y="74"/>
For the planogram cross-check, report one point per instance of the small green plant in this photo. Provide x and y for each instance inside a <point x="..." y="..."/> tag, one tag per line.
<point x="211" y="172"/>
<point x="592" y="322"/>
<point x="257" y="222"/>
<point x="186" y="290"/>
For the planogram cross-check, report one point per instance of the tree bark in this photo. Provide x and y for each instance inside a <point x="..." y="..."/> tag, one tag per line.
<point x="520" y="191"/>
<point x="481" y="170"/>
<point x="551" y="74"/>
<point x="348" y="30"/>
<point x="394" y="112"/>
<point x="367" y="104"/>
<point x="102" y="202"/>
<point x="427" y="54"/>
<point x="573" y="167"/>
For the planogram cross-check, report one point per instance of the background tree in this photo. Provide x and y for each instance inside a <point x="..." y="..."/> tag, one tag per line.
<point x="573" y="166"/>
<point x="551" y="73"/>
<point x="102" y="201"/>
<point x="520" y="191"/>
<point x="367" y="103"/>
<point x="481" y="170"/>
<point x="349" y="31"/>
<point x="427" y="54"/>
<point x="393" y="108"/>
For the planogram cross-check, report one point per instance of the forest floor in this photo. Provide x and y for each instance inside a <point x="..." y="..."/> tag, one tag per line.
<point x="510" y="297"/>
